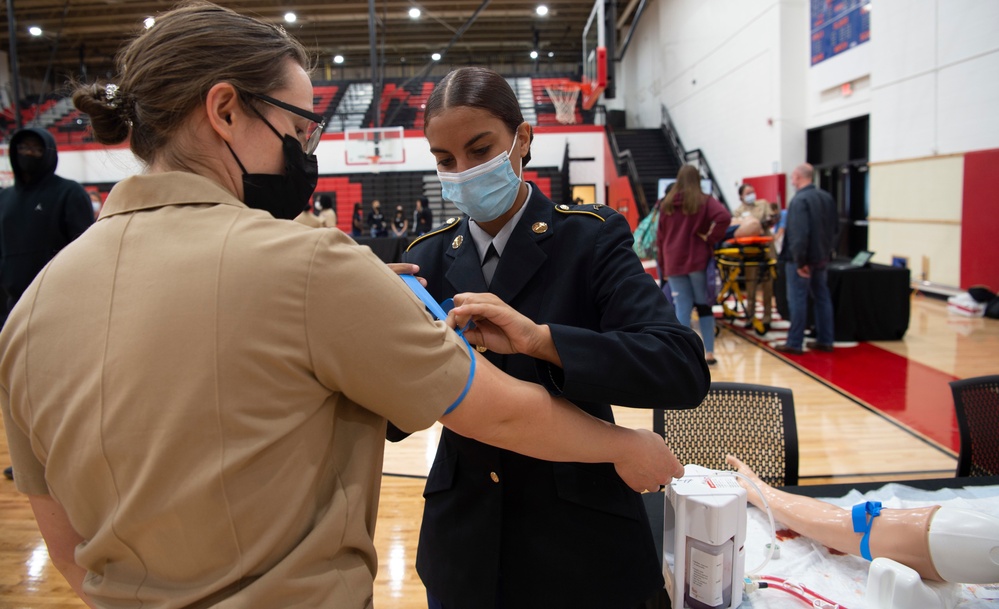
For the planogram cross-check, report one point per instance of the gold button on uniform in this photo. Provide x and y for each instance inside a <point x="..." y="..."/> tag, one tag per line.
<point x="564" y="207"/>
<point x="493" y="477"/>
<point x="457" y="242"/>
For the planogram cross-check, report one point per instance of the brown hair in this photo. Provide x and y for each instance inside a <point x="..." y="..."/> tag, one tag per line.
<point x="167" y="70"/>
<point x="688" y="187"/>
<point x="477" y="88"/>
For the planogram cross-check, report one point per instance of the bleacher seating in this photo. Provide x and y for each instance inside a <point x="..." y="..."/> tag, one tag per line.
<point x="323" y="96"/>
<point x="402" y="104"/>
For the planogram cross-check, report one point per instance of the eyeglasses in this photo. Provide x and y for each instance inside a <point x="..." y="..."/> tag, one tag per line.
<point x="313" y="140"/>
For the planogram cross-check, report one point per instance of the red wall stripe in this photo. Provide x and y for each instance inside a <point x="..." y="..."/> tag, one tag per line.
<point x="980" y="220"/>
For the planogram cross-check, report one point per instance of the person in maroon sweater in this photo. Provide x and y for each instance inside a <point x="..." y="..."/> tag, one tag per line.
<point x="690" y="223"/>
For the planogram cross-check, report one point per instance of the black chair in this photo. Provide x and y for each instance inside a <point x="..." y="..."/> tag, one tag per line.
<point x="976" y="401"/>
<point x="755" y="423"/>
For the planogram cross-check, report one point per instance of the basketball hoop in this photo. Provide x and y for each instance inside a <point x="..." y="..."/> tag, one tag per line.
<point x="373" y="160"/>
<point x="564" y="95"/>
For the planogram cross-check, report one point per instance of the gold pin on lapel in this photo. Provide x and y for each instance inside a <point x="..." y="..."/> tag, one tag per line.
<point x="457" y="242"/>
<point x="539" y="227"/>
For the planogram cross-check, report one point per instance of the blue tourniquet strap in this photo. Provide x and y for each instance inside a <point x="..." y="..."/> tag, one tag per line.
<point x="863" y="518"/>
<point x="439" y="313"/>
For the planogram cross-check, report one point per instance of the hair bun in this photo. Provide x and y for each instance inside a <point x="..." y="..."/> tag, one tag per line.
<point x="108" y="109"/>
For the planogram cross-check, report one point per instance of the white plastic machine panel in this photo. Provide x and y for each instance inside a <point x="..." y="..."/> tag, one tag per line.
<point x="704" y="540"/>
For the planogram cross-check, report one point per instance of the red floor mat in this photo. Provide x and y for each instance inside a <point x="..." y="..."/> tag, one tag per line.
<point x="903" y="390"/>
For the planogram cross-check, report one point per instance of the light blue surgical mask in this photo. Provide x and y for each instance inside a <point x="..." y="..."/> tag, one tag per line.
<point x="484" y="192"/>
<point x="750" y="198"/>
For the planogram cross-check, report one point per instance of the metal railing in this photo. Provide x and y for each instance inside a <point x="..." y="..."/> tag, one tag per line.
<point x="694" y="157"/>
<point x="625" y="163"/>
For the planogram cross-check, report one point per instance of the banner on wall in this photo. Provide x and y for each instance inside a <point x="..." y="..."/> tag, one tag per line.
<point x="838" y="26"/>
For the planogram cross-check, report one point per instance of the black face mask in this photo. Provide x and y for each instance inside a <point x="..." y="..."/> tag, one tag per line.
<point x="30" y="165"/>
<point x="283" y="196"/>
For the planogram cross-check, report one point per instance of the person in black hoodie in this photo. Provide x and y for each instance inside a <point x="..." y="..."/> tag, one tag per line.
<point x="39" y="215"/>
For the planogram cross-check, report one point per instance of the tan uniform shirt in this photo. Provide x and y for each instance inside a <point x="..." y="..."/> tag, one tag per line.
<point x="759" y="210"/>
<point x="205" y="390"/>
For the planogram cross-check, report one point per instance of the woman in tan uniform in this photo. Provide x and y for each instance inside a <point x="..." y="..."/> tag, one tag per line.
<point x="228" y="444"/>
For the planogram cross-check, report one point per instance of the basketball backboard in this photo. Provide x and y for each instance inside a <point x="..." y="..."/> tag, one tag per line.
<point x="377" y="146"/>
<point x="594" y="55"/>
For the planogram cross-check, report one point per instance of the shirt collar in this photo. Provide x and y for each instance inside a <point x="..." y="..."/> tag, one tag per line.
<point x="149" y="191"/>
<point x="482" y="239"/>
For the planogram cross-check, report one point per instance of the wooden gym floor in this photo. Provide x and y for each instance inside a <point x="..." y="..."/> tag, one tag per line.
<point x="842" y="439"/>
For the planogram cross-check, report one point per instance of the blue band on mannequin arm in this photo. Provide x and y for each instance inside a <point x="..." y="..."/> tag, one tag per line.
<point x="439" y="312"/>
<point x="863" y="518"/>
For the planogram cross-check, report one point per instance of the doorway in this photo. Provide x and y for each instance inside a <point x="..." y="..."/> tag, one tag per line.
<point x="839" y="153"/>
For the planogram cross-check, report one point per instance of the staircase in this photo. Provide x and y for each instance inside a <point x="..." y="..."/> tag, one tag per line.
<point x="653" y="157"/>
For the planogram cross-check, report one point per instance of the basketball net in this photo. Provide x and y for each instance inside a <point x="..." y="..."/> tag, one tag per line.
<point x="374" y="159"/>
<point x="564" y="95"/>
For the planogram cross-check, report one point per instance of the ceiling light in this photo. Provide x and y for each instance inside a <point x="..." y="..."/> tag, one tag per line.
<point x="149" y="22"/>
<point x="414" y="13"/>
<point x="551" y="54"/>
<point x="534" y="54"/>
<point x="35" y="30"/>
<point x="338" y="59"/>
<point x="542" y="10"/>
<point x="436" y="57"/>
<point x="290" y="17"/>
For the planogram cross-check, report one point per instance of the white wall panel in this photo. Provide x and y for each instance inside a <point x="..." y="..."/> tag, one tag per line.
<point x="966" y="28"/>
<point x="928" y="189"/>
<point x="939" y="243"/>
<point x="968" y="110"/>
<point x="903" y="39"/>
<point x="903" y="119"/>
<point x="915" y="212"/>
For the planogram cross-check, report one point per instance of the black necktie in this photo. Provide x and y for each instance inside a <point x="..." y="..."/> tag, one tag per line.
<point x="489" y="263"/>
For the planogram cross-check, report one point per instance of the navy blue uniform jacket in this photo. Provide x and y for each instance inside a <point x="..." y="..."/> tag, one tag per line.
<point x="542" y="534"/>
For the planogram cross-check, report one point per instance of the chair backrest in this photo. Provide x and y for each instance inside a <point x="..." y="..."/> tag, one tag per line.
<point x="976" y="401"/>
<point x="755" y="423"/>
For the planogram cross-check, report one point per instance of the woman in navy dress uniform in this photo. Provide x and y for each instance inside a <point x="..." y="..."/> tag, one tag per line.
<point x="568" y="306"/>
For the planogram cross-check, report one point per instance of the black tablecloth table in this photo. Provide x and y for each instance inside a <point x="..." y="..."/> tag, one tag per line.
<point x="388" y="249"/>
<point x="869" y="303"/>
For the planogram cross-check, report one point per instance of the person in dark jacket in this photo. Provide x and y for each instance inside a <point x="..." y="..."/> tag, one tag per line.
<point x="809" y="241"/>
<point x="39" y="215"/>
<point x="566" y="304"/>
<point x="357" y="221"/>
<point x="423" y="218"/>
<point x="377" y="222"/>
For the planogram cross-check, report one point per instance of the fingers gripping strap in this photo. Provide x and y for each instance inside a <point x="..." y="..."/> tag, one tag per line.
<point x="439" y="313"/>
<point x="863" y="518"/>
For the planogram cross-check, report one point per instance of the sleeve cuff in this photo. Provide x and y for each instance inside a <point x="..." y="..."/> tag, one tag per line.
<point x="551" y="377"/>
